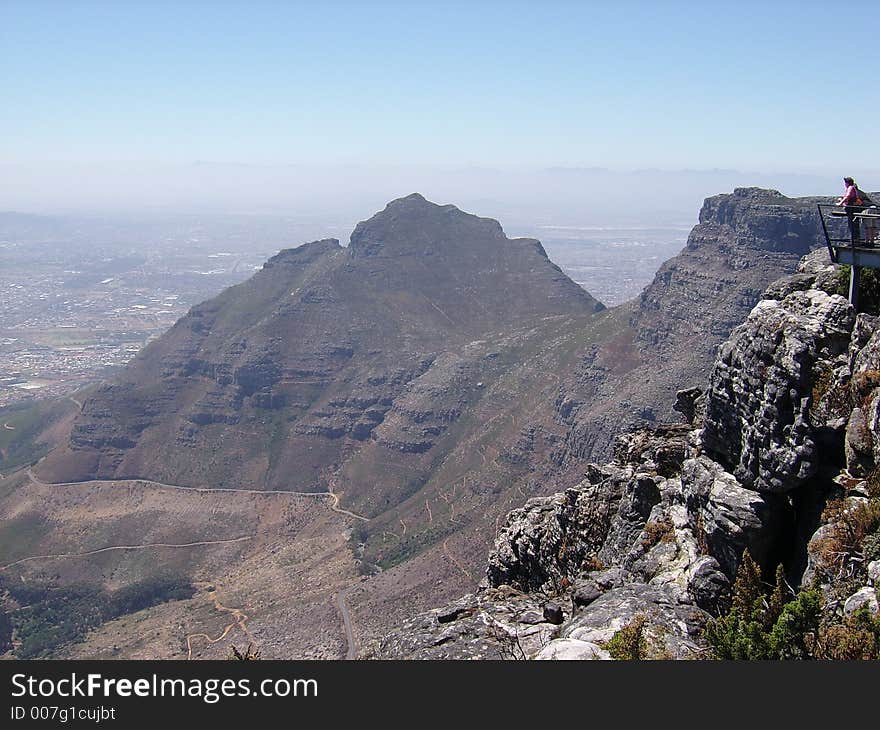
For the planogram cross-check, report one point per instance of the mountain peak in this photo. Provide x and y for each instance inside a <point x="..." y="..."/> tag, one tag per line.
<point x="415" y="225"/>
<point x="411" y="198"/>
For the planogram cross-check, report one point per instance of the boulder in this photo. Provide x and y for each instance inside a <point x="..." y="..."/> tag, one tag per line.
<point x="586" y="591"/>
<point x="572" y="649"/>
<point x="709" y="587"/>
<point x="553" y="613"/>
<point x="864" y="597"/>
<point x="673" y="629"/>
<point x="729" y="517"/>
<point x="874" y="573"/>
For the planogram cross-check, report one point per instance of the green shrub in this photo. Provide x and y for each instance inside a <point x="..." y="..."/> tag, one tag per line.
<point x="768" y="626"/>
<point x="745" y="631"/>
<point x="630" y="642"/>
<point x="795" y="632"/>
<point x="858" y="637"/>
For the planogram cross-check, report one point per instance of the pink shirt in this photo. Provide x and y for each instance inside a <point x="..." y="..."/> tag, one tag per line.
<point x="850" y="196"/>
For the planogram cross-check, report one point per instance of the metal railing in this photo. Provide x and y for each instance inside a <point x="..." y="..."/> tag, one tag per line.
<point x="852" y="228"/>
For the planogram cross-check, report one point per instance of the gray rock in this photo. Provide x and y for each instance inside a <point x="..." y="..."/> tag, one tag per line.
<point x="865" y="597"/>
<point x="859" y="444"/>
<point x="609" y="577"/>
<point x="453" y="614"/>
<point x="572" y="650"/>
<point x="586" y="591"/>
<point x="867" y="356"/>
<point x="674" y="628"/>
<point x="708" y="586"/>
<point x="640" y="494"/>
<point x="729" y="516"/>
<point x="874" y="573"/>
<point x="660" y="448"/>
<point x="553" y="613"/>
<point x="531" y="617"/>
<point x="545" y="543"/>
<point x="863" y="329"/>
<point x="817" y="265"/>
<point x="781" y="288"/>
<point x="758" y="404"/>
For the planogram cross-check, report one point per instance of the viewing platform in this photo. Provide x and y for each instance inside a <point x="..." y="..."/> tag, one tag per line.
<point x="852" y="235"/>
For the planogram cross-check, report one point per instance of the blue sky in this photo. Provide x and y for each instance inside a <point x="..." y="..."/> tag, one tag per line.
<point x="624" y="85"/>
<point x="121" y="86"/>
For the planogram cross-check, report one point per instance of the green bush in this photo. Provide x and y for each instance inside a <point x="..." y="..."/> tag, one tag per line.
<point x="794" y="634"/>
<point x="768" y="626"/>
<point x="745" y="631"/>
<point x="630" y="643"/>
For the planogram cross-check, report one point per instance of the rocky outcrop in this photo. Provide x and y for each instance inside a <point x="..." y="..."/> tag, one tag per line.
<point x="619" y="545"/>
<point x="757" y="414"/>
<point x="667" y="339"/>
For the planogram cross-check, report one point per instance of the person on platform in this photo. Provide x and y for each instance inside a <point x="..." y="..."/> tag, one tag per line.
<point x="853" y="202"/>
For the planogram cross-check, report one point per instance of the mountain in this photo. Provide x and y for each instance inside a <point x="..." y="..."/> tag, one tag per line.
<point x="374" y="409"/>
<point x="645" y="557"/>
<point x="326" y="353"/>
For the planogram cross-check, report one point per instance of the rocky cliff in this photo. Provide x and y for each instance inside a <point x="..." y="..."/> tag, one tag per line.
<point x="781" y="460"/>
<point x="744" y="241"/>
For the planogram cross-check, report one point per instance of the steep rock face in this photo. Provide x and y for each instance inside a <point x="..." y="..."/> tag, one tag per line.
<point x="757" y="416"/>
<point x="744" y="242"/>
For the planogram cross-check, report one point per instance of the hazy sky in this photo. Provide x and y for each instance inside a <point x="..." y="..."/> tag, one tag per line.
<point x="125" y="89"/>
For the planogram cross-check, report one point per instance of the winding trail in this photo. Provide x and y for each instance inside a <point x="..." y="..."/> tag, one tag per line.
<point x="239" y="621"/>
<point x="351" y="653"/>
<point x="334" y="498"/>
<point x="336" y="508"/>
<point x="238" y="615"/>
<point x="148" y="546"/>
<point x="455" y="561"/>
